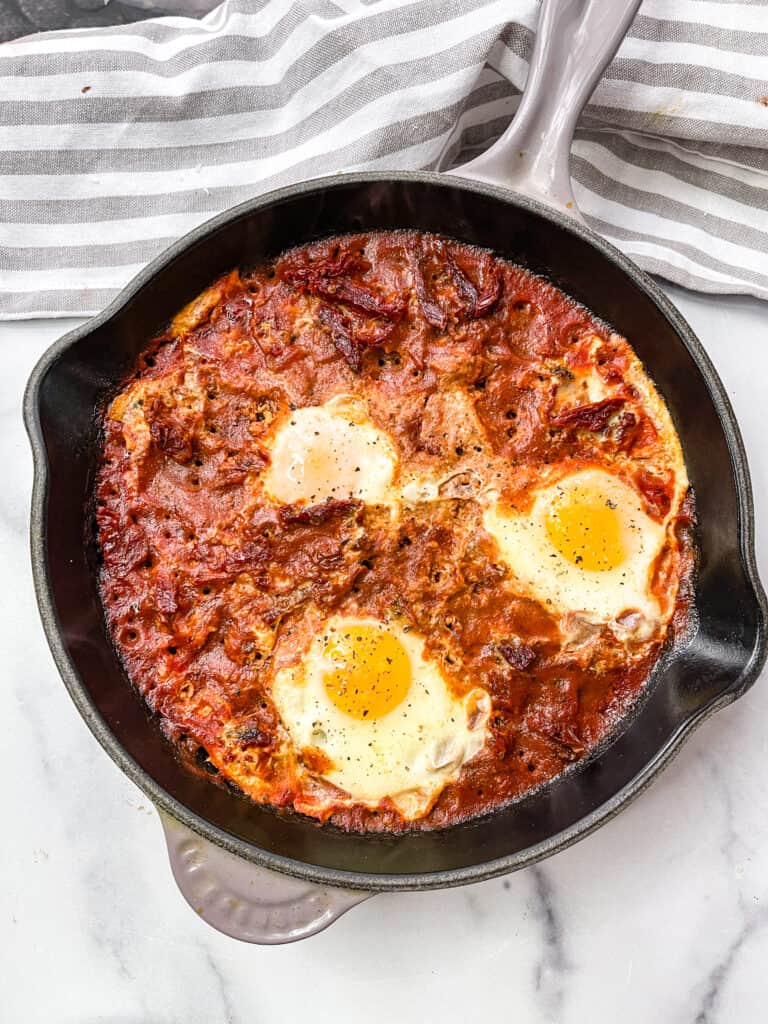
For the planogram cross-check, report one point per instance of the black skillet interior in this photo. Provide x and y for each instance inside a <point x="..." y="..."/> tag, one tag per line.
<point x="723" y="657"/>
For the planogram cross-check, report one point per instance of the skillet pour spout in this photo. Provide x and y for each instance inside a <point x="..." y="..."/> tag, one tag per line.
<point x="208" y="828"/>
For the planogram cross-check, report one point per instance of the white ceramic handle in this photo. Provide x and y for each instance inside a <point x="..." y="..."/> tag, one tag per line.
<point x="575" y="42"/>
<point x="246" y="901"/>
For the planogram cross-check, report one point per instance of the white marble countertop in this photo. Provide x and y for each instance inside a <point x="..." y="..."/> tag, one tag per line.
<point x="660" y="916"/>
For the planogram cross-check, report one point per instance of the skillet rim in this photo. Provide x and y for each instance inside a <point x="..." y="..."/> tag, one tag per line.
<point x="362" y="880"/>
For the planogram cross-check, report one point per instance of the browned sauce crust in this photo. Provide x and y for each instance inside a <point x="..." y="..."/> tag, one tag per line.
<point x="204" y="585"/>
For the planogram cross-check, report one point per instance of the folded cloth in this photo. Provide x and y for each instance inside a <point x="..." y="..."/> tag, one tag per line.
<point x="115" y="141"/>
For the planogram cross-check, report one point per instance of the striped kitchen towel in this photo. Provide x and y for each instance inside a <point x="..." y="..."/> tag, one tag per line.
<point x="115" y="141"/>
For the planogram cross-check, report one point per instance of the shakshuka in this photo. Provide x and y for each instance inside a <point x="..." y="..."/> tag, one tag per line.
<point x="391" y="530"/>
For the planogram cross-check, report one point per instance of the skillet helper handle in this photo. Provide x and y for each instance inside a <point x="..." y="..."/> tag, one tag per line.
<point x="575" y="42"/>
<point x="246" y="901"/>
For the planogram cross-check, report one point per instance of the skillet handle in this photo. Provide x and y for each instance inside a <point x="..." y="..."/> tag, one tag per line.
<point x="246" y="901"/>
<point x="575" y="42"/>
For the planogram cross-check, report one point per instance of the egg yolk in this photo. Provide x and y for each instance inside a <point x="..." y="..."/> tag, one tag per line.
<point x="585" y="529"/>
<point x="371" y="674"/>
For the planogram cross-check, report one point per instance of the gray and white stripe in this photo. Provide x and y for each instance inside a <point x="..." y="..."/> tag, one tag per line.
<point x="115" y="141"/>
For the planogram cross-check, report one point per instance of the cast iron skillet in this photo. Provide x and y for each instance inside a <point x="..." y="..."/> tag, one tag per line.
<point x="205" y="825"/>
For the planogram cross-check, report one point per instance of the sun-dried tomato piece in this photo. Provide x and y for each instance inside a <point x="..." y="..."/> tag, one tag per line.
<point x="255" y="737"/>
<point x="315" y="515"/>
<point x="351" y="338"/>
<point x="519" y="656"/>
<point x="488" y="287"/>
<point x="626" y="430"/>
<point x="341" y="337"/>
<point x="469" y="301"/>
<point x="430" y="308"/>
<point x="464" y="287"/>
<point x="352" y="294"/>
<point x="331" y="279"/>
<point x="594" y="416"/>
<point x="656" y="491"/>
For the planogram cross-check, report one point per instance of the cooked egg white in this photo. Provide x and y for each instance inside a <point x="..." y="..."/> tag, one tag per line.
<point x="586" y="545"/>
<point x="330" y="451"/>
<point x="378" y="716"/>
<point x="337" y="451"/>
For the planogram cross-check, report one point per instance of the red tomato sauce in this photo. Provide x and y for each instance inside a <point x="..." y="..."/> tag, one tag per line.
<point x="206" y="585"/>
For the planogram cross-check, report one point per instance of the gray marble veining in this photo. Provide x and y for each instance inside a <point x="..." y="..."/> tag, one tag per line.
<point x="551" y="970"/>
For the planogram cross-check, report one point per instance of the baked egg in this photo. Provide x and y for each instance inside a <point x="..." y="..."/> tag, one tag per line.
<point x="375" y="717"/>
<point x="584" y="545"/>
<point x="330" y="451"/>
